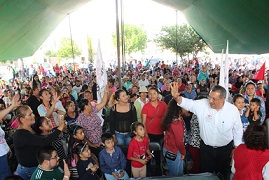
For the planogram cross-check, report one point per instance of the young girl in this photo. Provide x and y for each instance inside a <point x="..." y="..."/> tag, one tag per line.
<point x="86" y="165"/>
<point x="43" y="127"/>
<point x="71" y="112"/>
<point x="138" y="150"/>
<point x="76" y="137"/>
<point x="239" y="102"/>
<point x="48" y="107"/>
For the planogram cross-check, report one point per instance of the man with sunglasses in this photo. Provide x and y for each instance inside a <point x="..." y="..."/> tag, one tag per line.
<point x="48" y="165"/>
<point x="220" y="128"/>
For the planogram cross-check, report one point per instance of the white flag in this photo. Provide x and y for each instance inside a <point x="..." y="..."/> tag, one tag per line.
<point x="226" y="72"/>
<point x="221" y="77"/>
<point x="101" y="78"/>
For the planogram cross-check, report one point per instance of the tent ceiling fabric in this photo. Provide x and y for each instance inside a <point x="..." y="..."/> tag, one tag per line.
<point x="244" y="23"/>
<point x="26" y="24"/>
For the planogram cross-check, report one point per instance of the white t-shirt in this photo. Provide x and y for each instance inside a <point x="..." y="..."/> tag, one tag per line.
<point x="77" y="89"/>
<point x="4" y="148"/>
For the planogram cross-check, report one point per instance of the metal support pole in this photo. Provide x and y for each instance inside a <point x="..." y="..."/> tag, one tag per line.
<point x="176" y="38"/>
<point x="118" y="43"/>
<point x="73" y="56"/>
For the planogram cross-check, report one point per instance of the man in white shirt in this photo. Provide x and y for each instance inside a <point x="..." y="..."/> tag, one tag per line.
<point x="220" y="128"/>
<point x="143" y="81"/>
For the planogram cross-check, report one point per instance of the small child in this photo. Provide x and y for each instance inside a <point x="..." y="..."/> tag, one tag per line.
<point x="112" y="160"/>
<point x="48" y="165"/>
<point x="43" y="127"/>
<point x="138" y="150"/>
<point x="239" y="102"/>
<point x="253" y="112"/>
<point x="86" y="166"/>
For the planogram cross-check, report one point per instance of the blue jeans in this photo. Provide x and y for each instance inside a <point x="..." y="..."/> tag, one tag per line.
<point x="111" y="177"/>
<point x="24" y="172"/>
<point x="122" y="138"/>
<point x="175" y="167"/>
<point x="4" y="170"/>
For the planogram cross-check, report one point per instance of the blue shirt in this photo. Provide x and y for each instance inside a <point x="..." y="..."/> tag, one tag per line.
<point x="191" y="95"/>
<point x="244" y="120"/>
<point x="111" y="162"/>
<point x="262" y="106"/>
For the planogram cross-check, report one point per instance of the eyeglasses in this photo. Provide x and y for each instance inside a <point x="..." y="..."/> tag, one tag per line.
<point x="83" y="148"/>
<point x="212" y="98"/>
<point x="56" y="157"/>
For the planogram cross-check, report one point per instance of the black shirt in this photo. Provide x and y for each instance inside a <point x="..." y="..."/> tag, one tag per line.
<point x="121" y="121"/>
<point x="33" y="102"/>
<point x="27" y="144"/>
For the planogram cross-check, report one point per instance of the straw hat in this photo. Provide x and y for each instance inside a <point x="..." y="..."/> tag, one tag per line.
<point x="143" y="89"/>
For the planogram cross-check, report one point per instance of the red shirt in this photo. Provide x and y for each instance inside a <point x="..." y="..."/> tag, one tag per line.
<point x="57" y="69"/>
<point x="249" y="163"/>
<point x="175" y="72"/>
<point x="174" y="137"/>
<point x="137" y="149"/>
<point x="155" y="126"/>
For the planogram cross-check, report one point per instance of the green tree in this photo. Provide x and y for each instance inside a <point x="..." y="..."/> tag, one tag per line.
<point x="51" y="53"/>
<point x="90" y="50"/>
<point x="135" y="38"/>
<point x="65" y="50"/>
<point x="188" y="41"/>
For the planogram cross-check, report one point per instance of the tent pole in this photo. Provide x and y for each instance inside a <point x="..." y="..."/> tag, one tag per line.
<point x="118" y="43"/>
<point x="122" y="38"/>
<point x="71" y="40"/>
<point x="176" y="37"/>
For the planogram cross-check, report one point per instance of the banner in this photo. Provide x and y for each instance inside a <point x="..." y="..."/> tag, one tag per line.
<point x="101" y="78"/>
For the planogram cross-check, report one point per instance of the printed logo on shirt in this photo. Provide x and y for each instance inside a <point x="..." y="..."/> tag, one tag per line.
<point x="209" y="117"/>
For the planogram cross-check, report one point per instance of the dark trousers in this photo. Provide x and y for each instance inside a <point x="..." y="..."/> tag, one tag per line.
<point x="216" y="160"/>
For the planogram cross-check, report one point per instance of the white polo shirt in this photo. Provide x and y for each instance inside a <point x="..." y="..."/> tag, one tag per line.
<point x="217" y="128"/>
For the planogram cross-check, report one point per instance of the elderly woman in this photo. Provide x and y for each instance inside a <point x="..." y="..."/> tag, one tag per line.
<point x="90" y="120"/>
<point x="26" y="143"/>
<point x="250" y="158"/>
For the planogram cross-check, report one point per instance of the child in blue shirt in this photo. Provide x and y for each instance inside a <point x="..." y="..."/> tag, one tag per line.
<point x="112" y="161"/>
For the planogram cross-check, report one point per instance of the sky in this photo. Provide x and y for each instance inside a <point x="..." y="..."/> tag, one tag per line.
<point x="97" y="19"/>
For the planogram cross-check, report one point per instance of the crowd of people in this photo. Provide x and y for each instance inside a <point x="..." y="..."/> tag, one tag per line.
<point x="60" y="130"/>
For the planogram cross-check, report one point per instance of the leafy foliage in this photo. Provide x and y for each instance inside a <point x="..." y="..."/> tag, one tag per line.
<point x="90" y="50"/>
<point x="135" y="38"/>
<point x="65" y="50"/>
<point x="188" y="41"/>
<point x="51" y="53"/>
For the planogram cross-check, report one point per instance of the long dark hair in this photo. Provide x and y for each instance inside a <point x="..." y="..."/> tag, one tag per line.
<point x="172" y="112"/>
<point x="38" y="122"/>
<point x="73" y="128"/>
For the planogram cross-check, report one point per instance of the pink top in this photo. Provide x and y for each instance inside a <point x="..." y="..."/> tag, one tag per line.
<point x="113" y="89"/>
<point x="15" y="124"/>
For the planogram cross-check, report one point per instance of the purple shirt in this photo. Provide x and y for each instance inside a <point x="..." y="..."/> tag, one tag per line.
<point x="92" y="126"/>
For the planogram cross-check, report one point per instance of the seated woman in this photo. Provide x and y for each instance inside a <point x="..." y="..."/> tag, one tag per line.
<point x="250" y="158"/>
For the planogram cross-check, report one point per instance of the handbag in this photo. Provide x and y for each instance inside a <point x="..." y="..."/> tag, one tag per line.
<point x="154" y="115"/>
<point x="170" y="155"/>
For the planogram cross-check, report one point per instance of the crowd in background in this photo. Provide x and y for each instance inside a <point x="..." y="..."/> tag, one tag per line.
<point x="60" y="108"/>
